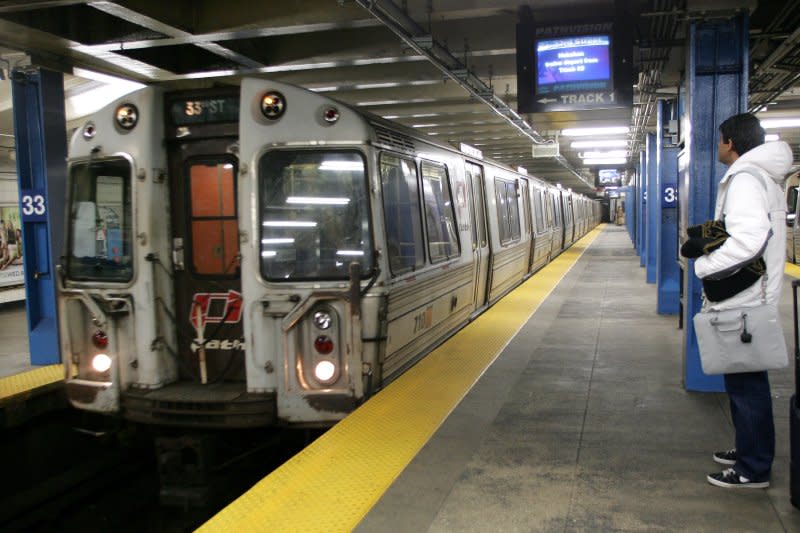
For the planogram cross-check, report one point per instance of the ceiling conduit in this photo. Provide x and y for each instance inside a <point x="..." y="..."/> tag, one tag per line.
<point x="423" y="43"/>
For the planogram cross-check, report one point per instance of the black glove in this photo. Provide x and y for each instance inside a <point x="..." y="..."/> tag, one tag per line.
<point x="695" y="231"/>
<point x="693" y="248"/>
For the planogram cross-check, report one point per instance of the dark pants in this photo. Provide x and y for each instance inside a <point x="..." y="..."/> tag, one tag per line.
<point x="751" y="410"/>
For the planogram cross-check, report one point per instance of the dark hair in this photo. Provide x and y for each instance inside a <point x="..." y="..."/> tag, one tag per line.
<point x="744" y="130"/>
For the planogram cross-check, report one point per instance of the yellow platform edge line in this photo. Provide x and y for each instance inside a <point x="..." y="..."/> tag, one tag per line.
<point x="334" y="482"/>
<point x="792" y="270"/>
<point x="30" y="380"/>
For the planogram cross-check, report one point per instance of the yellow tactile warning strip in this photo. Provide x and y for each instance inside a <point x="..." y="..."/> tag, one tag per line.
<point x="334" y="482"/>
<point x="792" y="270"/>
<point x="30" y="380"/>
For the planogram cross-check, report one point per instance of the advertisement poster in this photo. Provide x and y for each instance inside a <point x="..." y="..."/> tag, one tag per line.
<point x="11" y="273"/>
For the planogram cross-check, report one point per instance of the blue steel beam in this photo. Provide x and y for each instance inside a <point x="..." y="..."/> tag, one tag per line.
<point x="41" y="147"/>
<point x="717" y="63"/>
<point x="667" y="269"/>
<point x="653" y="209"/>
<point x="641" y="214"/>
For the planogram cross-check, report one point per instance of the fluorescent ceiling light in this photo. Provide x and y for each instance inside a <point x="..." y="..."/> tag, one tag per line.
<point x="780" y="123"/>
<point x="289" y="224"/>
<point x="341" y="165"/>
<point x="279" y="240"/>
<point x="317" y="200"/>
<point x="601" y="155"/>
<point x="772" y="137"/>
<point x="582" y="132"/>
<point x="608" y="143"/>
<point x="606" y="161"/>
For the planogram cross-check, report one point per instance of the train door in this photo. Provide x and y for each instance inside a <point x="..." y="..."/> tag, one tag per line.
<point x="792" y="237"/>
<point x="480" y="239"/>
<point x="524" y="189"/>
<point x="205" y="237"/>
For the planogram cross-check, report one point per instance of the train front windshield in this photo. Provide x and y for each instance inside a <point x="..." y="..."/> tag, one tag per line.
<point x="314" y="214"/>
<point x="100" y="233"/>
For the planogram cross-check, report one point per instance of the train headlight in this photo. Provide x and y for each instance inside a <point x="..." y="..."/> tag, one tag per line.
<point x="322" y="319"/>
<point x="101" y="362"/>
<point x="273" y="105"/>
<point x="127" y="116"/>
<point x="324" y="371"/>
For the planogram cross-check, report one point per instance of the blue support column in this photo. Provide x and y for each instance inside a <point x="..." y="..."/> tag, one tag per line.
<point x="653" y="212"/>
<point x="641" y="215"/>
<point x="667" y="271"/>
<point x="41" y="141"/>
<point x="716" y="77"/>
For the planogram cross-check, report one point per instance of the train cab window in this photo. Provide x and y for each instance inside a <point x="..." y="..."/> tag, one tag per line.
<point x="213" y="221"/>
<point x="538" y="210"/>
<point x="507" y="210"/>
<point x="439" y="213"/>
<point x="314" y="214"/>
<point x="401" y="208"/>
<point x="100" y="223"/>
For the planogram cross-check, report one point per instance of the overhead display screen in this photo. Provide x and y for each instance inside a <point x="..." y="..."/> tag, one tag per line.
<point x="576" y="65"/>
<point x="609" y="177"/>
<point x="570" y="64"/>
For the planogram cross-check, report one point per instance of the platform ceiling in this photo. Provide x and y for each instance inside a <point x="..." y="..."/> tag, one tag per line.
<point x="445" y="67"/>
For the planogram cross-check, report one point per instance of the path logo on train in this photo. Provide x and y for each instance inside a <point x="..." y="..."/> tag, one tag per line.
<point x="215" y="307"/>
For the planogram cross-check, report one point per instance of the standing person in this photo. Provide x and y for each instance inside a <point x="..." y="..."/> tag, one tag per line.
<point x="754" y="216"/>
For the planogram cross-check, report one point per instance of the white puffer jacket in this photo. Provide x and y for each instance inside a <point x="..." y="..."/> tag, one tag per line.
<point x="750" y="212"/>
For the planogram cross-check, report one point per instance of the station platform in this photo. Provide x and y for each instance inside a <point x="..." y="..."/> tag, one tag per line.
<point x="574" y="420"/>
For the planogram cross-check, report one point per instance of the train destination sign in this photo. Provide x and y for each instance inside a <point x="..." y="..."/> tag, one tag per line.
<point x="190" y="111"/>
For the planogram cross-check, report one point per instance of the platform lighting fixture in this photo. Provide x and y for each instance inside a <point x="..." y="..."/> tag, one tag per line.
<point x="775" y="123"/>
<point x="606" y="161"/>
<point x="586" y="132"/>
<point x="604" y="143"/>
<point x="770" y="137"/>
<point x="602" y="155"/>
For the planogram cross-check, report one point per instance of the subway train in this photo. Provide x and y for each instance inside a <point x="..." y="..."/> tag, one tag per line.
<point x="262" y="255"/>
<point x="792" y="224"/>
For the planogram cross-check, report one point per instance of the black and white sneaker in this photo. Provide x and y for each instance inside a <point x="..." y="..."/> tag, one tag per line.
<point x="727" y="457"/>
<point x="729" y="479"/>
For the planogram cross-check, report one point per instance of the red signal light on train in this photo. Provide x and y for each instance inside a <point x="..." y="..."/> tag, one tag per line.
<point x="323" y="344"/>
<point x="100" y="339"/>
<point x="330" y="115"/>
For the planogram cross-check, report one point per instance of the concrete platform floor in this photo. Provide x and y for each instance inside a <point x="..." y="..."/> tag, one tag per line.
<point x="583" y="424"/>
<point x="14" y="349"/>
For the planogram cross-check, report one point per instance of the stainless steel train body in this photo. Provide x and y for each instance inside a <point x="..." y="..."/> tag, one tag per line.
<point x="265" y="255"/>
<point x="792" y="224"/>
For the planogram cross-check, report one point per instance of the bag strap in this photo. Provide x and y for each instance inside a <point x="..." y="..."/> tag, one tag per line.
<point x="756" y="172"/>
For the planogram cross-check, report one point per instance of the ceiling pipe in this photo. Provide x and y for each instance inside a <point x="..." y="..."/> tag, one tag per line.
<point x="423" y="43"/>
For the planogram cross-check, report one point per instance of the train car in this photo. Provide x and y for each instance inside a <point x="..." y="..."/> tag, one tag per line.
<point x="793" y="225"/>
<point x="264" y="255"/>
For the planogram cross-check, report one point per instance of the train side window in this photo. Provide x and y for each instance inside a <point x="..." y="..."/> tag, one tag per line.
<point x="401" y="209"/>
<point x="513" y="210"/>
<point x="538" y="210"/>
<point x="507" y="210"/>
<point x="439" y="213"/>
<point x="556" y="211"/>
